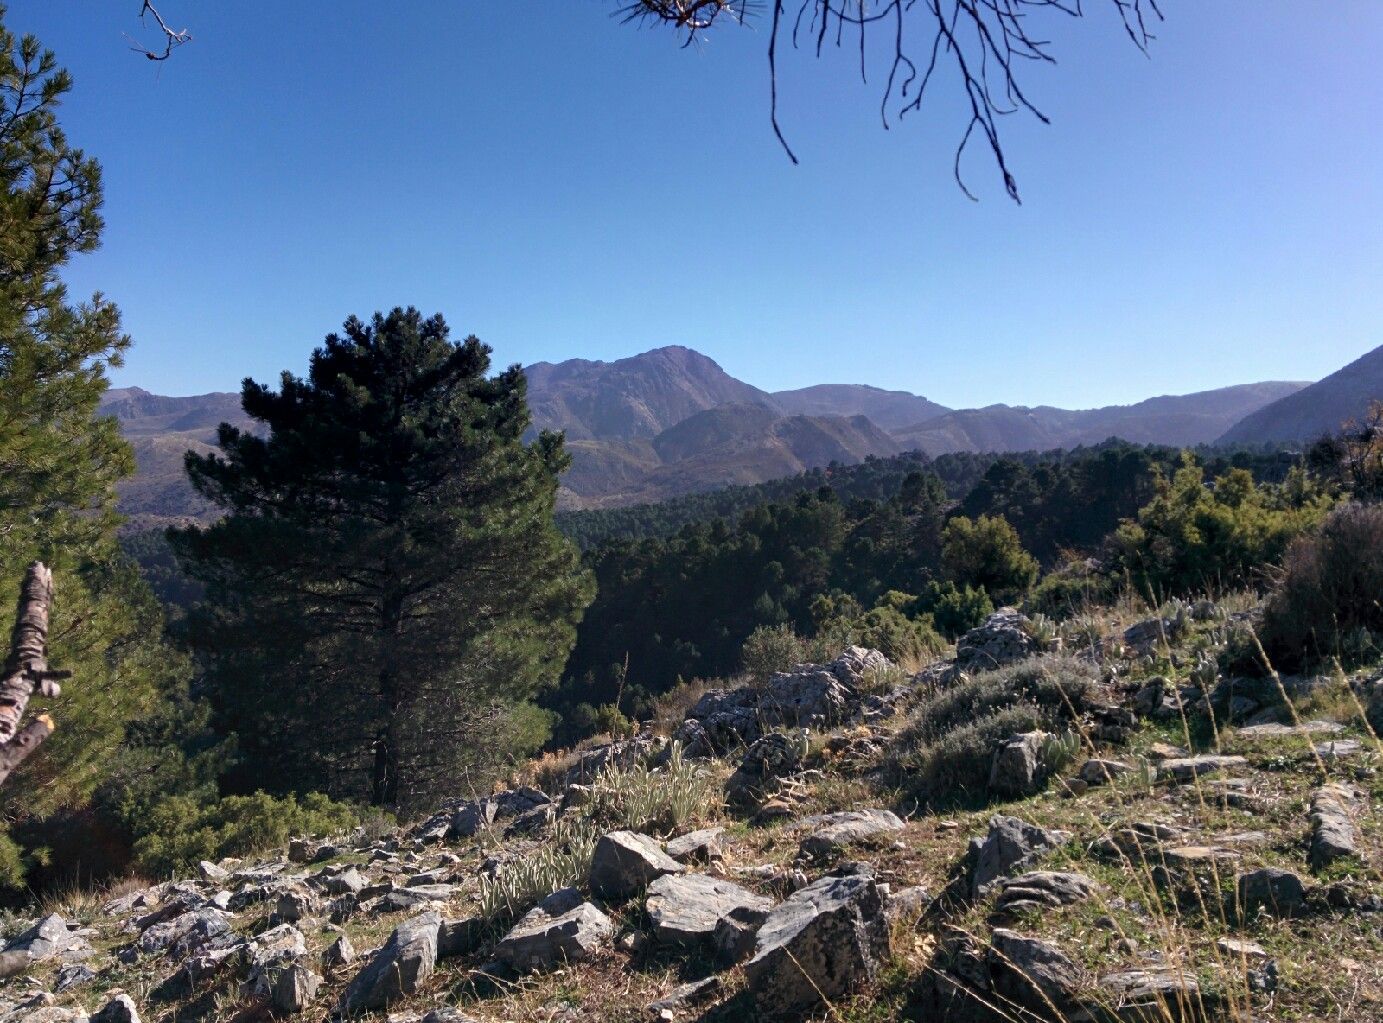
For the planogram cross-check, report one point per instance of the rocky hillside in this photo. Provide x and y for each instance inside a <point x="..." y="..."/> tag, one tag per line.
<point x="1317" y="410"/>
<point x="1043" y="827"/>
<point x="891" y="410"/>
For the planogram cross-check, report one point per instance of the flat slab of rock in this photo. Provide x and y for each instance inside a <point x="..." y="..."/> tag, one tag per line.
<point x="1032" y="973"/>
<point x="625" y="863"/>
<point x="832" y="832"/>
<point x="540" y="941"/>
<point x="1148" y="995"/>
<point x="820" y="944"/>
<point x="1043" y="889"/>
<point x="406" y="960"/>
<point x="687" y="908"/>
<point x="1274" y="730"/>
<point x="1099" y="772"/>
<point x="1184" y="769"/>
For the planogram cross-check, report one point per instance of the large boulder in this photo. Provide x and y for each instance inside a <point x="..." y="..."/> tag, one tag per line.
<point x="687" y="908"/>
<point x="833" y="832"/>
<point x="625" y="863"/>
<point x="544" y="939"/>
<point x="1278" y="892"/>
<point x="1011" y="845"/>
<point x="1017" y="768"/>
<point x="405" y="961"/>
<point x="1033" y="974"/>
<point x="48" y="936"/>
<point x="1002" y="639"/>
<point x="810" y="694"/>
<point x="187" y="933"/>
<point x="822" y="943"/>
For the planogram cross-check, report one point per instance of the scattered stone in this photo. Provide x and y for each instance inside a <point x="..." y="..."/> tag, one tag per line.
<point x="1010" y="845"/>
<point x="625" y="863"/>
<point x="120" y="1009"/>
<point x="1240" y="949"/>
<point x="211" y="872"/>
<point x="820" y="944"/>
<point x="49" y="936"/>
<point x="407" y="959"/>
<point x="1184" y="769"/>
<point x="767" y="759"/>
<point x="736" y="934"/>
<point x="1164" y="751"/>
<point x="1333" y="748"/>
<point x="687" y="997"/>
<point x="705" y="846"/>
<point x="1042" y="889"/>
<point x="687" y="908"/>
<point x="293" y="906"/>
<point x="1099" y="772"/>
<point x="1002" y="639"/>
<point x="907" y="903"/>
<point x="835" y="831"/>
<point x="339" y="953"/>
<point x="1017" y="768"/>
<point x="1275" y="730"/>
<point x="540" y="941"/>
<point x="1032" y="973"/>
<point x="345" y="882"/>
<point x="1333" y="835"/>
<point x="461" y="937"/>
<point x="1279" y="892"/>
<point x="299" y="850"/>
<point x="1145" y="996"/>
<point x="73" y="975"/>
<point x="295" y="989"/>
<point x="1146" y="635"/>
<point x="187" y="933"/>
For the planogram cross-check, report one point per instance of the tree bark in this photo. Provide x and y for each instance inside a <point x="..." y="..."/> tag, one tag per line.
<point x="26" y="671"/>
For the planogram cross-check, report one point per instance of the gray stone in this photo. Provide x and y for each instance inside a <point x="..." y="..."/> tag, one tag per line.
<point x="684" y="999"/>
<point x="49" y="936"/>
<point x="833" y="832"/>
<point x="406" y="960"/>
<point x="120" y="1009"/>
<point x="705" y="846"/>
<point x="1154" y="996"/>
<point x="73" y="975"/>
<point x="542" y="942"/>
<point x="1017" y="768"/>
<point x="295" y="988"/>
<point x="344" y="882"/>
<point x="187" y="933"/>
<point x="1275" y="730"/>
<point x="1002" y="639"/>
<point x="819" y="945"/>
<point x="810" y="694"/>
<point x="687" y="908"/>
<point x="735" y="935"/>
<point x="1011" y="845"/>
<point x="295" y="905"/>
<point x="1333" y="835"/>
<point x="1043" y="889"/>
<point x="1279" y="892"/>
<point x="1032" y="973"/>
<point x="1099" y="772"/>
<point x="625" y="863"/>
<point x="339" y="953"/>
<point x="1184" y="769"/>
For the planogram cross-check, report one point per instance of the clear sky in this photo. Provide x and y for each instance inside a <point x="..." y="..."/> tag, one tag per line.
<point x="563" y="186"/>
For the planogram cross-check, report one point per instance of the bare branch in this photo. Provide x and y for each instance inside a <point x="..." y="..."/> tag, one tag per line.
<point x="171" y="37"/>
<point x="26" y="671"/>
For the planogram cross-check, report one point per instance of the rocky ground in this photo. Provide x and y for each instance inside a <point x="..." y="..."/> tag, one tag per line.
<point x="1175" y="845"/>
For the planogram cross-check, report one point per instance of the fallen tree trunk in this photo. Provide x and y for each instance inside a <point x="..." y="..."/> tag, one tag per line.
<point x="26" y="671"/>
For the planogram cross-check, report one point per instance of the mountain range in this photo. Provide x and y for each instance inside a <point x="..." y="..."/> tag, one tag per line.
<point x="671" y="421"/>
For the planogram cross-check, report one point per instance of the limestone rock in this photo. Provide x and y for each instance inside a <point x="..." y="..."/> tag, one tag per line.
<point x="1017" y="768"/>
<point x="705" y="846"/>
<point x="1279" y="892"/>
<point x="687" y="908"/>
<point x="832" y="832"/>
<point x="1333" y="835"/>
<point x="1002" y="639"/>
<point x="1043" y="889"/>
<point x="540" y="941"/>
<point x="120" y="1009"/>
<point x="1184" y="769"/>
<point x="625" y="863"/>
<point x="407" y="959"/>
<point x="295" y="988"/>
<point x="683" y="999"/>
<point x="1032" y="973"/>
<point x="1010" y="845"/>
<point x="1099" y="772"/>
<point x="820" y="944"/>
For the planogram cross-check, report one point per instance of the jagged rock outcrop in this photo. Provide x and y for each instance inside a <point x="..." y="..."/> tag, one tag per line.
<point x="1010" y="845"/>
<point x="554" y="932"/>
<point x="833" y="832"/>
<point x="686" y="909"/>
<point x="1002" y="639"/>
<point x="406" y="960"/>
<point x="820" y="944"/>
<point x="625" y="863"/>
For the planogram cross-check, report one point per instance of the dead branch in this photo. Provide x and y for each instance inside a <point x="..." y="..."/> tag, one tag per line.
<point x="984" y="43"/>
<point x="171" y="37"/>
<point x="26" y="671"/>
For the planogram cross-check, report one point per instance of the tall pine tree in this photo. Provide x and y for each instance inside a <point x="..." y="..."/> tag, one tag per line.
<point x="59" y="460"/>
<point x="387" y="585"/>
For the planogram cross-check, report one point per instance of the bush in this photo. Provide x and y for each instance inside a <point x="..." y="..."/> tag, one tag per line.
<point x="987" y="553"/>
<point x="655" y="801"/>
<point x="773" y="648"/>
<point x="1192" y="538"/>
<point x="523" y="882"/>
<point x="945" y="752"/>
<point x="181" y="830"/>
<point x="1069" y="591"/>
<point x="955" y="610"/>
<point x="1327" y="603"/>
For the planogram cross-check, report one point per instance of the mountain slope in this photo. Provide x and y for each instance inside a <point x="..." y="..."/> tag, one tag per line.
<point x="1316" y="410"/>
<point x="891" y="410"/>
<point x="632" y="398"/>
<point x="1188" y="419"/>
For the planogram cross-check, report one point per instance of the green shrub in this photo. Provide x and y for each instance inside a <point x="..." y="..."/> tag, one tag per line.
<point x="944" y="754"/>
<point x="1068" y="591"/>
<point x="1329" y="600"/>
<point x="524" y="881"/>
<point x="1192" y="537"/>
<point x="773" y="648"/>
<point x="181" y="830"/>
<point x="986" y="552"/>
<point x="655" y="801"/>
<point x="955" y="610"/>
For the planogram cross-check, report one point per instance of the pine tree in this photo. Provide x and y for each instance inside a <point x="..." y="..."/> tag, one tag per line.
<point x="387" y="584"/>
<point x="59" y="460"/>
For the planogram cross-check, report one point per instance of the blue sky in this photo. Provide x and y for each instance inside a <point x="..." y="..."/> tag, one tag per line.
<point x="563" y="186"/>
